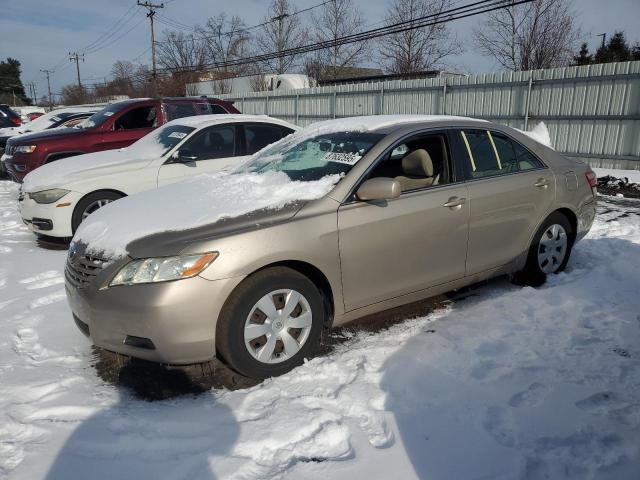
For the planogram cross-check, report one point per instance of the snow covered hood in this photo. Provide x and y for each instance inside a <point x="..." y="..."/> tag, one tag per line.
<point x="192" y="203"/>
<point x="67" y="171"/>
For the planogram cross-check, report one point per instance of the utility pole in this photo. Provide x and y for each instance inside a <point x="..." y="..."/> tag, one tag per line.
<point x="152" y="11"/>
<point x="48" y="74"/>
<point x="604" y="38"/>
<point x="32" y="91"/>
<point x="280" y="19"/>
<point x="75" y="57"/>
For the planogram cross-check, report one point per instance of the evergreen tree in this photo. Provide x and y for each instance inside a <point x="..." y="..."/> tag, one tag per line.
<point x="583" y="57"/>
<point x="616" y="50"/>
<point x="11" y="84"/>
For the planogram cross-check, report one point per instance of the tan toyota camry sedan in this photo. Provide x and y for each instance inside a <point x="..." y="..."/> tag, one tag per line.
<point x="420" y="206"/>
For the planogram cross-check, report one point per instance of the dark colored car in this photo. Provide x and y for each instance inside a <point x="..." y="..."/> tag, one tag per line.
<point x="54" y="119"/>
<point x="33" y="115"/>
<point x="9" y="118"/>
<point x="116" y="126"/>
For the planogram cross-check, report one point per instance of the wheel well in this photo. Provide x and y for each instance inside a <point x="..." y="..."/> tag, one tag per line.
<point x="111" y="190"/>
<point x="573" y="220"/>
<point x="59" y="156"/>
<point x="317" y="277"/>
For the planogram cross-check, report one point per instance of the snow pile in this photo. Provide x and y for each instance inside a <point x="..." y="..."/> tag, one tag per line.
<point x="192" y="203"/>
<point x="540" y="134"/>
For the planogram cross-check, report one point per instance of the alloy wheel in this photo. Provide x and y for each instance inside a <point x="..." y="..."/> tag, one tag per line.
<point x="93" y="206"/>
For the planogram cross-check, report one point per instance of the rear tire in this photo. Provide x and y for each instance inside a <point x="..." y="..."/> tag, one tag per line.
<point x="89" y="204"/>
<point x="549" y="251"/>
<point x="270" y="323"/>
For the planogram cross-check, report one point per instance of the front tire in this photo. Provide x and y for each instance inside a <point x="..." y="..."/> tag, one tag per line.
<point x="89" y="204"/>
<point x="270" y="323"/>
<point x="549" y="251"/>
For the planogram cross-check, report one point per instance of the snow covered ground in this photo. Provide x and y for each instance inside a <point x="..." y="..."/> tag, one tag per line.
<point x="499" y="382"/>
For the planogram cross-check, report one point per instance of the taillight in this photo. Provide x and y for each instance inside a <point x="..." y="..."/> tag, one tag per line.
<point x="16" y="121"/>
<point x="592" y="178"/>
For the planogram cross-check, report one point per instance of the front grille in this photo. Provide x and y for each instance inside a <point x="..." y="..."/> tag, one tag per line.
<point x="81" y="269"/>
<point x="9" y="150"/>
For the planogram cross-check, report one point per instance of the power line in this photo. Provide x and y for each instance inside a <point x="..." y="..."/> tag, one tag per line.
<point x="472" y="9"/>
<point x="175" y="24"/>
<point x="114" y="40"/>
<point x="111" y="31"/>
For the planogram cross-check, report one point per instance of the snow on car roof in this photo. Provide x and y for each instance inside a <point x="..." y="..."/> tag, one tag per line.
<point x="109" y="230"/>
<point x="372" y="123"/>
<point x="198" y="121"/>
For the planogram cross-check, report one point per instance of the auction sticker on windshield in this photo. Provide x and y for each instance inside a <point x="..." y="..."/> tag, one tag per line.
<point x="179" y="135"/>
<point x="341" y="157"/>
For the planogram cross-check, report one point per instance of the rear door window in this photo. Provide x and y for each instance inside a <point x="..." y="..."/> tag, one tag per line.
<point x="213" y="142"/>
<point x="209" y="109"/>
<point x="141" y="117"/>
<point x="179" y="110"/>
<point x="491" y="154"/>
<point x="259" y="136"/>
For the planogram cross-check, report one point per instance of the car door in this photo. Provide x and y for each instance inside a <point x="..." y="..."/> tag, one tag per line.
<point x="129" y="125"/>
<point x="404" y="245"/>
<point x="212" y="149"/>
<point x="510" y="191"/>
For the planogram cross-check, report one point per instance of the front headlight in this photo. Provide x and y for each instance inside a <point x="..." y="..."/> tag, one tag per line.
<point x="48" y="196"/>
<point x="25" y="149"/>
<point x="152" y="270"/>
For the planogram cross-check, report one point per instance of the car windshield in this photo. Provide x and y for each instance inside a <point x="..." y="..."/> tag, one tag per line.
<point x="160" y="141"/>
<point x="310" y="159"/>
<point x="102" y="116"/>
<point x="45" y="121"/>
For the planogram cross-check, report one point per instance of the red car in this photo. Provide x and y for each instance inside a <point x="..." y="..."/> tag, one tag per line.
<point x="116" y="126"/>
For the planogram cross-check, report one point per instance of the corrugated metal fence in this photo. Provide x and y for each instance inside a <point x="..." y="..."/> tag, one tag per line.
<point x="592" y="112"/>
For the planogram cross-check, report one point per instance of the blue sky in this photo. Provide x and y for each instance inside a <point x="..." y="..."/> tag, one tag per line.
<point x="40" y="33"/>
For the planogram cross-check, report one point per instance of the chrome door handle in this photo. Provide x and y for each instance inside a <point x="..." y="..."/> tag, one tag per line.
<point x="454" y="203"/>
<point x="542" y="183"/>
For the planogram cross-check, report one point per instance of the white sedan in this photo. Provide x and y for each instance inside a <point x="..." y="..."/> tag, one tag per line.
<point x="56" y="197"/>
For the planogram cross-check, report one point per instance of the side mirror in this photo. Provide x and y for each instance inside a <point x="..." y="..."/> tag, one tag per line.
<point x="184" y="155"/>
<point x="382" y="188"/>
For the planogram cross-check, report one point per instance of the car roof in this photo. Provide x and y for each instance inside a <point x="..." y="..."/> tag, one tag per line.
<point x="199" y="121"/>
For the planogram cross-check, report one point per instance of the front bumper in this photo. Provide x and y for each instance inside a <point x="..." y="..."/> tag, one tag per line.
<point x="18" y="165"/>
<point x="166" y="322"/>
<point x="49" y="219"/>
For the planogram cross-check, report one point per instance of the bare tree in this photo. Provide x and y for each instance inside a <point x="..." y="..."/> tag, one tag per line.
<point x="337" y="19"/>
<point x="540" y="34"/>
<point x="418" y="49"/>
<point x="225" y="39"/>
<point x="74" y="95"/>
<point x="123" y="69"/>
<point x="180" y="51"/>
<point x="281" y="31"/>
